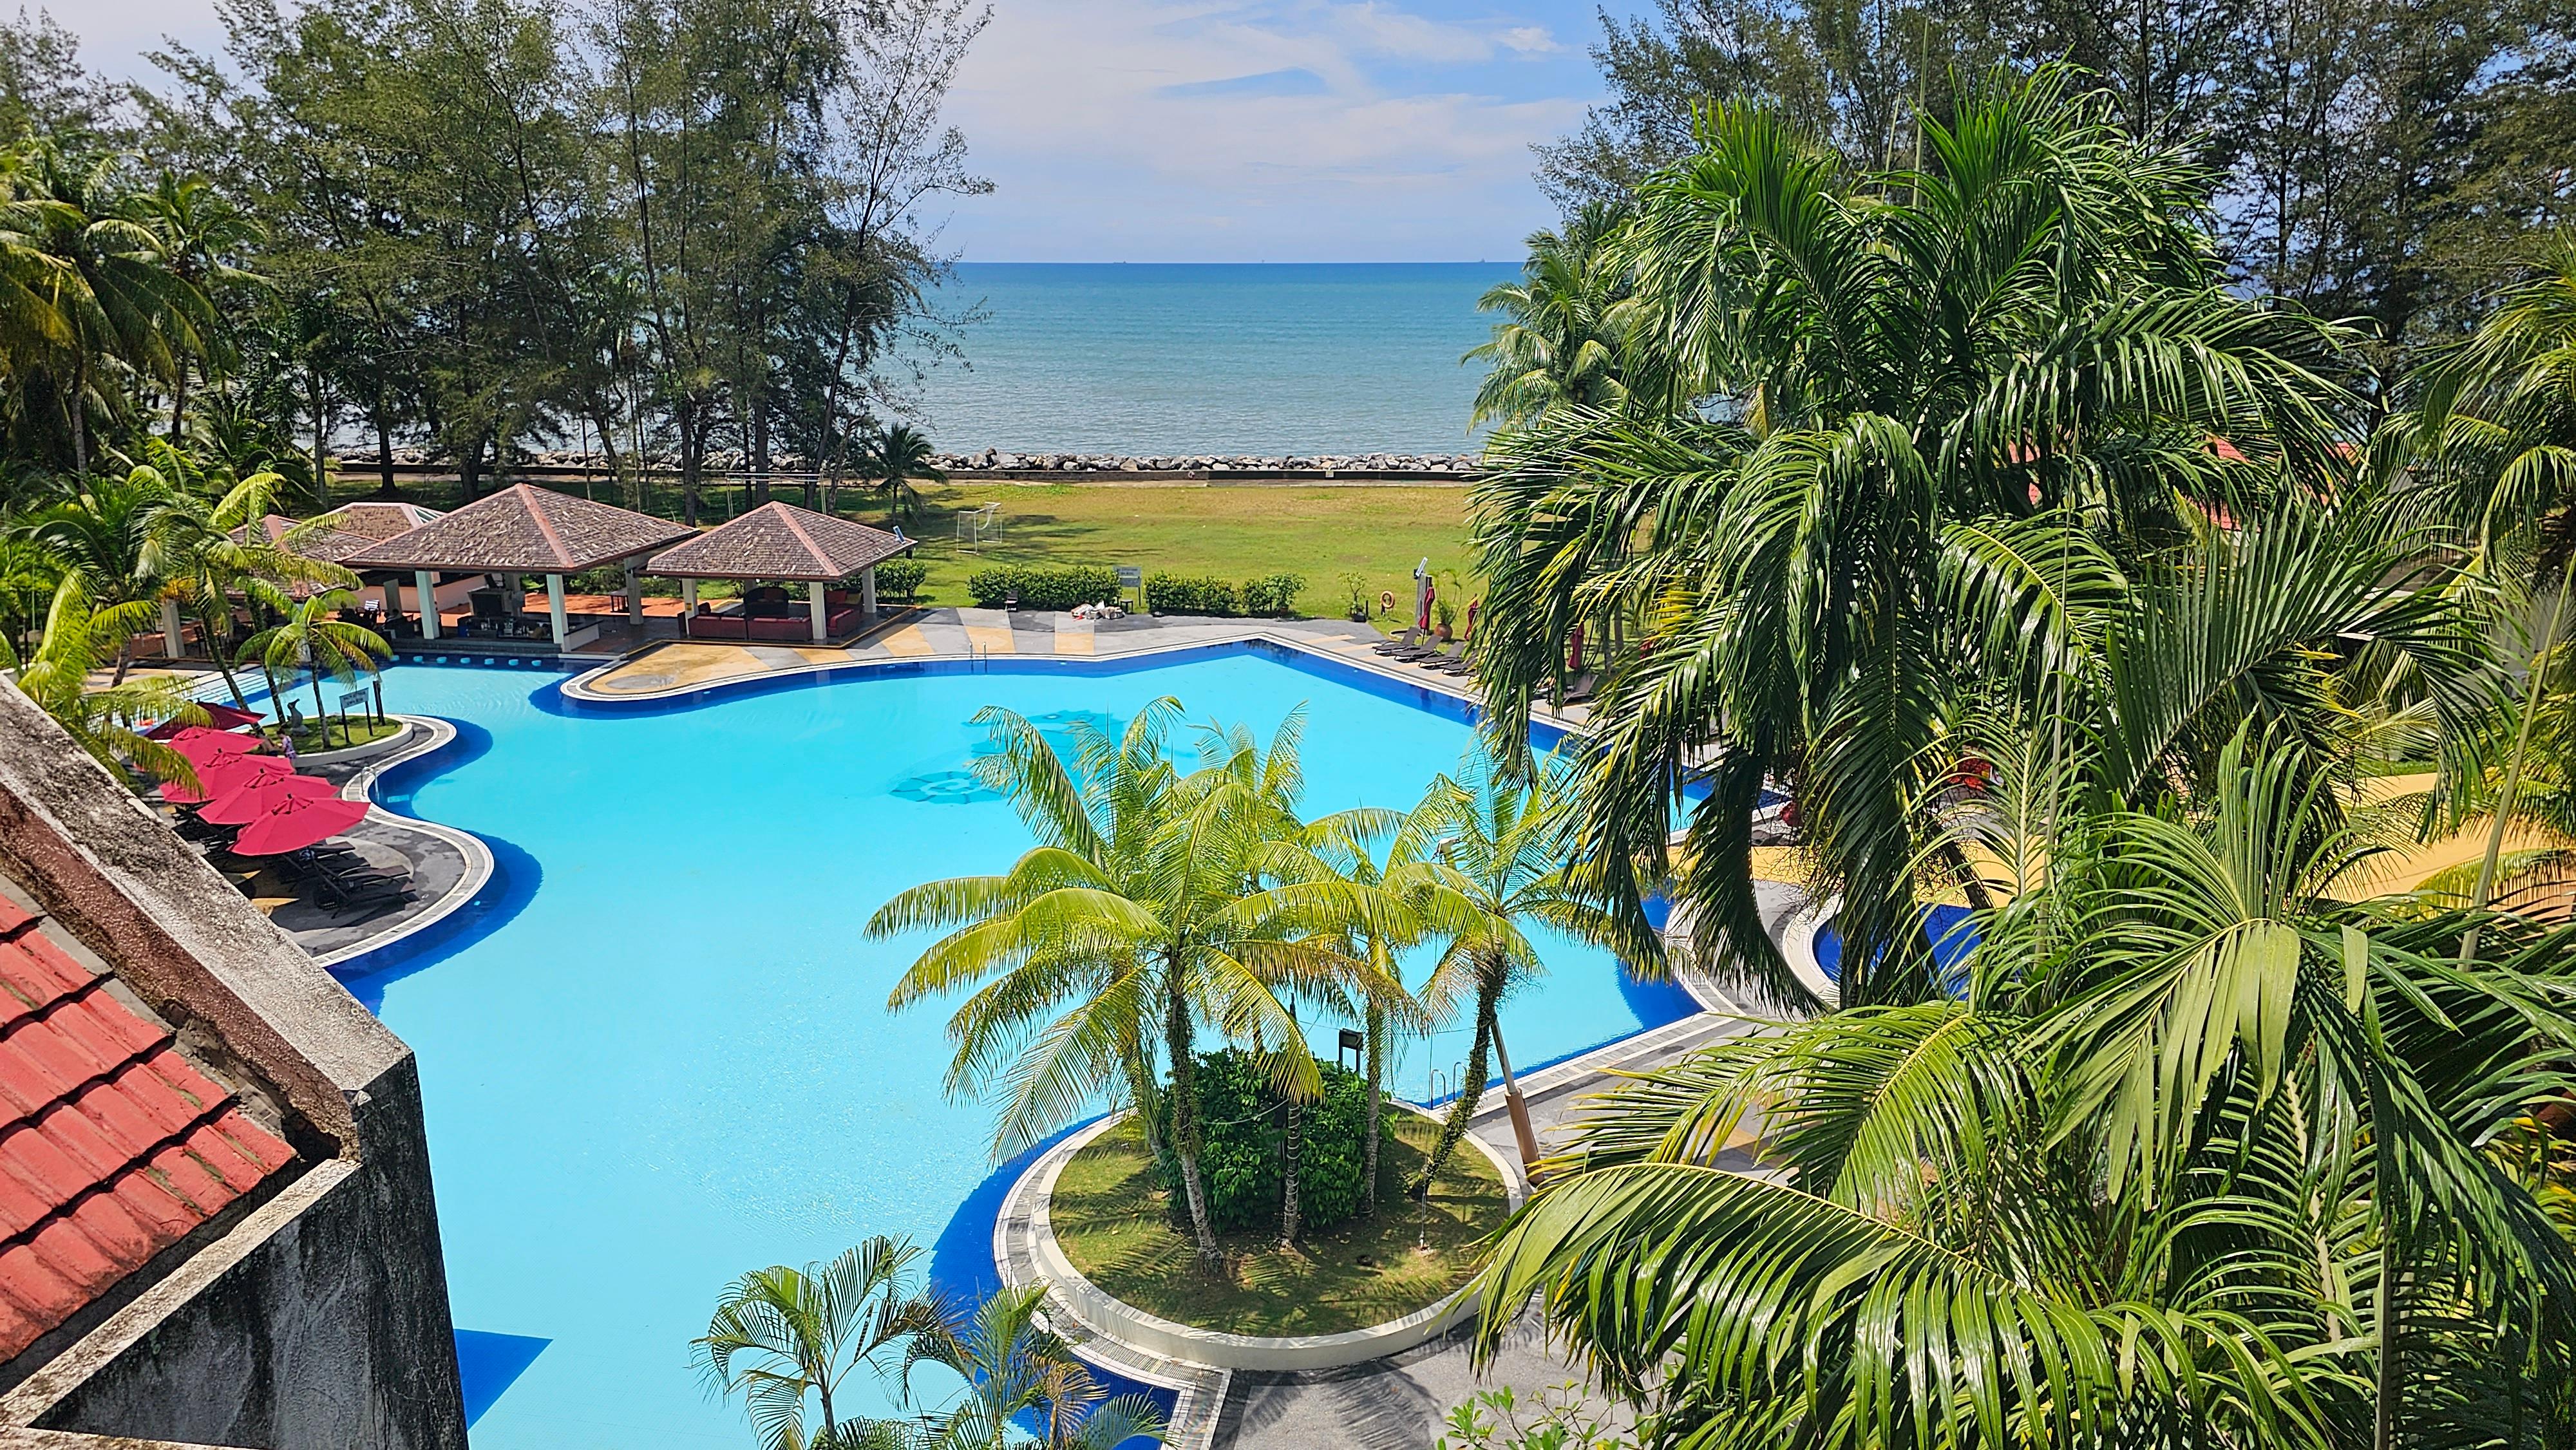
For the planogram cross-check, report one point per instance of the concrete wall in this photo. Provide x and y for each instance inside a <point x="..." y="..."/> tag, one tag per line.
<point x="319" y="1322"/>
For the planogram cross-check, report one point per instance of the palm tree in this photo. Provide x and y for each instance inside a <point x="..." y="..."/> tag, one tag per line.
<point x="1560" y="343"/>
<point x="1016" y="1370"/>
<point x="2185" y="1164"/>
<point x="782" y="1336"/>
<point x="1130" y="923"/>
<point x="1339" y="847"/>
<point x="896" y="457"/>
<point x="1499" y="862"/>
<point x="206" y="549"/>
<point x="196" y="229"/>
<point x="117" y="287"/>
<point x="311" y="637"/>
<point x="76" y="643"/>
<point x="1879" y="373"/>
<point x="103" y="535"/>
<point x="2496" y="429"/>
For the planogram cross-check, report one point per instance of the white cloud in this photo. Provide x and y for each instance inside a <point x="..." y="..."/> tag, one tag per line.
<point x="1186" y="130"/>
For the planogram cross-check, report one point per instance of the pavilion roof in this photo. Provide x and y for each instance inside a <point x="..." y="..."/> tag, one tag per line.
<point x="779" y="541"/>
<point x="523" y="530"/>
<point x="380" y="519"/>
<point x="319" y="538"/>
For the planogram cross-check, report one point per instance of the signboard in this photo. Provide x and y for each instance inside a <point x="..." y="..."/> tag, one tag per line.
<point x="1130" y="577"/>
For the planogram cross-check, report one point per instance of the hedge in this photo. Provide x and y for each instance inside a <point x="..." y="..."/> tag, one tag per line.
<point x="1241" y="1161"/>
<point x="1043" y="588"/>
<point x="1207" y="594"/>
<point x="900" y="578"/>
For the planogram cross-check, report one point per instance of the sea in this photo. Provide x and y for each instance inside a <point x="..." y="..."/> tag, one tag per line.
<point x="1188" y="358"/>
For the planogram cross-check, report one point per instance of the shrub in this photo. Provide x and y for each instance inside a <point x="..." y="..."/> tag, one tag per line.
<point x="1243" y="1157"/>
<point x="900" y="578"/>
<point x="1060" y="587"/>
<point x="1190" y="594"/>
<point x="1273" y="594"/>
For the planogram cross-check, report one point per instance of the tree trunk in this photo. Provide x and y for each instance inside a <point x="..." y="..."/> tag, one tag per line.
<point x="1290" y="1220"/>
<point x="1376" y="1076"/>
<point x="276" y="696"/>
<point x="1185" y="1126"/>
<point x="1471" y="1087"/>
<point x="179" y="406"/>
<point x="215" y="647"/>
<point x="1140" y="1086"/>
<point x="384" y="454"/>
<point x="80" y="418"/>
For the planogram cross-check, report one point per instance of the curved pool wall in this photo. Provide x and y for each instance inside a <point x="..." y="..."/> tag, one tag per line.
<point x="654" y="1052"/>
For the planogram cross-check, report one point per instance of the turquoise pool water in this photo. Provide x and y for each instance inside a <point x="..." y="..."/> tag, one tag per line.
<point x="656" y="1053"/>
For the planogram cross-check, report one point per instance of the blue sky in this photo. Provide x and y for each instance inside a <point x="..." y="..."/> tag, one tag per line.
<point x="1214" y="130"/>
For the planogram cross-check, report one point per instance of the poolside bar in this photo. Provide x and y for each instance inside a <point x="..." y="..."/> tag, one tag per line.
<point x="514" y="533"/>
<point x="779" y="544"/>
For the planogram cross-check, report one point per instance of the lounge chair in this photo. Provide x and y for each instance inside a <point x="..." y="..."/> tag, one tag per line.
<point x="335" y="895"/>
<point x="1403" y="644"/>
<point x="1440" y="656"/>
<point x="1582" y="689"/>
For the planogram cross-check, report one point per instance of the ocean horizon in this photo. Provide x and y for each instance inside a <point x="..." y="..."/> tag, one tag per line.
<point x="1212" y="357"/>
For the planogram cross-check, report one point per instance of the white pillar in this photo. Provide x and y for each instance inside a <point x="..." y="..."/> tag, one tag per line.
<point x="428" y="583"/>
<point x="393" y="600"/>
<point x="814" y="606"/>
<point x="688" y="596"/>
<point x="634" y="593"/>
<point x="868" y="592"/>
<point x="171" y="644"/>
<point x="554" y="607"/>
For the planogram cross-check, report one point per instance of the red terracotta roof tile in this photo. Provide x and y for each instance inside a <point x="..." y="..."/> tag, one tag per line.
<point x="112" y="1146"/>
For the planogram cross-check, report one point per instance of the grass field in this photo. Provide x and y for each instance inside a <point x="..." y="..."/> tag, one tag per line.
<point x="1114" y="1223"/>
<point x="1236" y="533"/>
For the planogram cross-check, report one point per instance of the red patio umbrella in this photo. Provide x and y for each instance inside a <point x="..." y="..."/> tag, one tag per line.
<point x="223" y="774"/>
<point x="219" y="718"/>
<point x="203" y="746"/>
<point x="294" y="822"/>
<point x="244" y="804"/>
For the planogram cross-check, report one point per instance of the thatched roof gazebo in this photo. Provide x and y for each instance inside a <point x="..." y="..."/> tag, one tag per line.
<point x="781" y="543"/>
<point x="526" y="530"/>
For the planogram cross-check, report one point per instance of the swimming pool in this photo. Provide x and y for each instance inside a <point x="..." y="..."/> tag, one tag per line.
<point x="656" y="1054"/>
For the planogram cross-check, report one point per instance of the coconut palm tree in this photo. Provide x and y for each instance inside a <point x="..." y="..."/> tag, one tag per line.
<point x="311" y="637"/>
<point x="788" y="1339"/>
<point x="207" y="547"/>
<point x="103" y="535"/>
<point x="1016" y="1371"/>
<point x="116" y="285"/>
<point x="1498" y="864"/>
<point x="1341" y="847"/>
<point x="1879" y="372"/>
<point x="1560" y="341"/>
<point x="196" y="229"/>
<point x="2196" y="1157"/>
<point x="894" y="458"/>
<point x="1132" y="921"/>
<point x="76" y="643"/>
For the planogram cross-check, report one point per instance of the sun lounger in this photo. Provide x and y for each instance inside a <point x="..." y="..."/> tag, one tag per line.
<point x="1582" y="689"/>
<point x="1403" y="644"/>
<point x="1441" y="656"/>
<point x="336" y="895"/>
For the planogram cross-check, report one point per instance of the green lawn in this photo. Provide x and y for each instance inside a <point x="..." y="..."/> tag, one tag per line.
<point x="1235" y="533"/>
<point x="1116" y="1226"/>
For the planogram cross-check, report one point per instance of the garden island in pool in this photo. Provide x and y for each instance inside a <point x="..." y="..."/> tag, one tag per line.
<point x="655" y="1051"/>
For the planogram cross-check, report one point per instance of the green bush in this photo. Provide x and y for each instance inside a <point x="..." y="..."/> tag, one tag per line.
<point x="900" y="578"/>
<point x="1190" y="594"/>
<point x="1039" y="587"/>
<point x="1272" y="594"/>
<point x="1243" y="1158"/>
